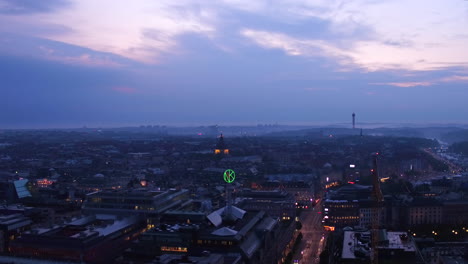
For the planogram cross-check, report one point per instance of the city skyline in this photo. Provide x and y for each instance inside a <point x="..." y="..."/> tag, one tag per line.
<point x="111" y="63"/>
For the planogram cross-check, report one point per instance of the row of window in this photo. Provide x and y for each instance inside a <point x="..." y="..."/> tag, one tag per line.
<point x="344" y="217"/>
<point x="341" y="206"/>
<point x="214" y="242"/>
<point x="422" y="209"/>
<point x="174" y="249"/>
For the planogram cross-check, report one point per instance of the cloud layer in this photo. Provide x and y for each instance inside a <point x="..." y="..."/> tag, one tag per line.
<point x="180" y="61"/>
<point x="374" y="35"/>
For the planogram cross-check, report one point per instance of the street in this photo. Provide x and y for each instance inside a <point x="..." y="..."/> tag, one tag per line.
<point x="453" y="168"/>
<point x="314" y="236"/>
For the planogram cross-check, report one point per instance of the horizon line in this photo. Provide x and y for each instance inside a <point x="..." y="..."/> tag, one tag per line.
<point x="364" y="125"/>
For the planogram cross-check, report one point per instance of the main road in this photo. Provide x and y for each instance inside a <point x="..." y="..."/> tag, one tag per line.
<point x="314" y="236"/>
<point x="454" y="168"/>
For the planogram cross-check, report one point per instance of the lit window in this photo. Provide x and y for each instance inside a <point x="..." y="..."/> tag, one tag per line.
<point x="174" y="249"/>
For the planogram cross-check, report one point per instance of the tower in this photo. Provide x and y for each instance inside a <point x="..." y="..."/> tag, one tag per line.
<point x="221" y="147"/>
<point x="354" y="120"/>
<point x="377" y="203"/>
<point x="376" y="191"/>
<point x="229" y="177"/>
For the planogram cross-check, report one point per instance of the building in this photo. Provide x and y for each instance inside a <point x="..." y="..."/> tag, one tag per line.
<point x="12" y="190"/>
<point x="340" y="213"/>
<point x="192" y="211"/>
<point x="204" y="259"/>
<point x="230" y="231"/>
<point x="278" y="204"/>
<point x="442" y="252"/>
<point x="92" y="239"/>
<point x="351" y="192"/>
<point x="424" y="211"/>
<point x="11" y="227"/>
<point x="150" y="204"/>
<point x="455" y="212"/>
<point x="366" y="213"/>
<point x="221" y="147"/>
<point x="393" y="247"/>
<point x="342" y="206"/>
<point x="302" y="191"/>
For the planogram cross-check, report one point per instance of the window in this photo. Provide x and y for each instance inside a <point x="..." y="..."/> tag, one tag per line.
<point x="174" y="249"/>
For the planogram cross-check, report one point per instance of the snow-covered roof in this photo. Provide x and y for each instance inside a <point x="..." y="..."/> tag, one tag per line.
<point x="250" y="245"/>
<point x="117" y="225"/>
<point x="224" y="231"/>
<point x="215" y="218"/>
<point x="82" y="221"/>
<point x="235" y="211"/>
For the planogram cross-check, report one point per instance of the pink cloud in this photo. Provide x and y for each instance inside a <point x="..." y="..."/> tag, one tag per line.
<point x="86" y="60"/>
<point x="124" y="89"/>
<point x="455" y="78"/>
<point x="405" y="84"/>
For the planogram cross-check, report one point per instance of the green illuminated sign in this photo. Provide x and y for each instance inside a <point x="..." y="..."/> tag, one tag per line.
<point x="229" y="176"/>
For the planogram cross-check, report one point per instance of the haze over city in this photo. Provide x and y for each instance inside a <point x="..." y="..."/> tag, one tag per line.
<point x="234" y="131"/>
<point x="112" y="63"/>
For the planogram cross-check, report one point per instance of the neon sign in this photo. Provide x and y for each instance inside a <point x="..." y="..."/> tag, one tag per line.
<point x="229" y="176"/>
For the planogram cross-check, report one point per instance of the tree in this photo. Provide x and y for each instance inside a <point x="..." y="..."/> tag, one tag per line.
<point x="298" y="225"/>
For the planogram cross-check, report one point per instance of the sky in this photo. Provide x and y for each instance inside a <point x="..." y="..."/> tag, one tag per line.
<point x="104" y="63"/>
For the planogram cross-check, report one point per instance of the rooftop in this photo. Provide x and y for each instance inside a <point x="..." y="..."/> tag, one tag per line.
<point x="129" y="192"/>
<point x="14" y="220"/>
<point x="353" y="243"/>
<point x="86" y="226"/>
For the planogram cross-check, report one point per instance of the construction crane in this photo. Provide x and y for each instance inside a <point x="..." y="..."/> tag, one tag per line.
<point x="377" y="202"/>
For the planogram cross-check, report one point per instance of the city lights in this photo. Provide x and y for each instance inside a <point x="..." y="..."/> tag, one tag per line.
<point x="204" y="131"/>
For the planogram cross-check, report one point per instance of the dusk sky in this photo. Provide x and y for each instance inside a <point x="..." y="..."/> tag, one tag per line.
<point x="145" y="62"/>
